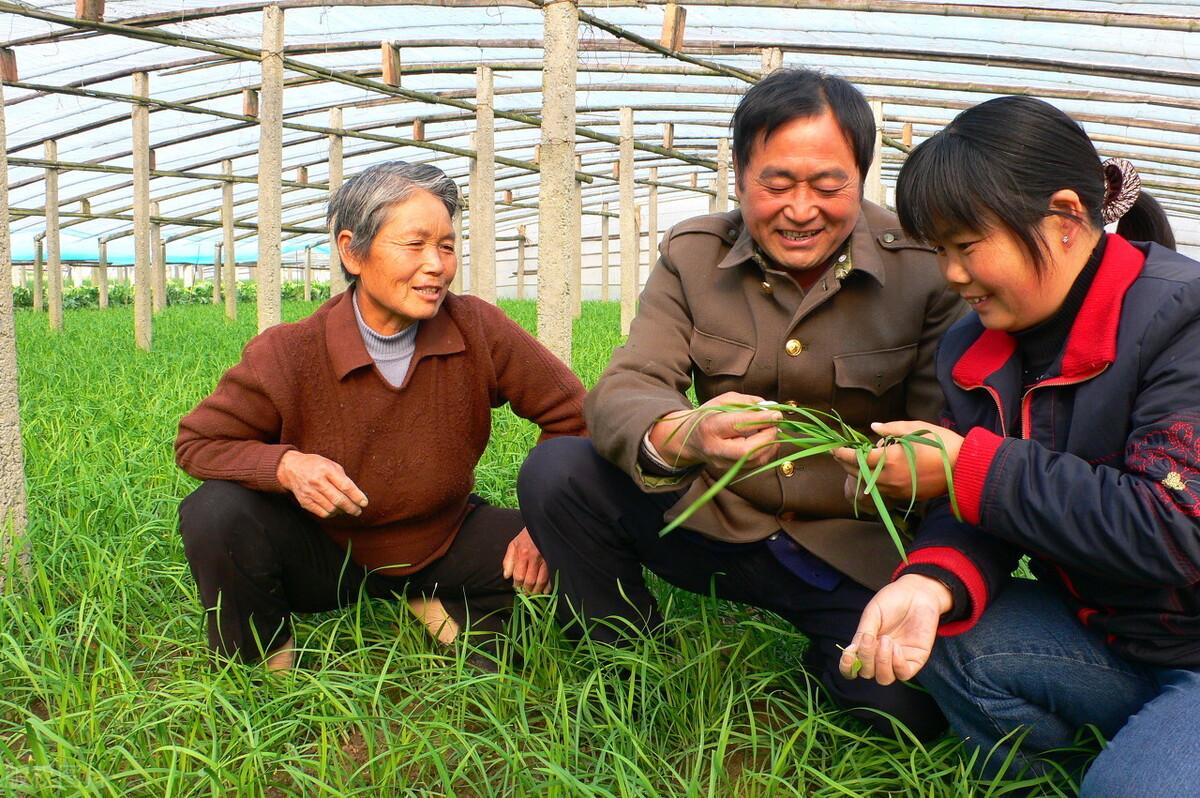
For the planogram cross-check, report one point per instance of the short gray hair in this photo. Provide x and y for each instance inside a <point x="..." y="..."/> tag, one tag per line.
<point x="361" y="205"/>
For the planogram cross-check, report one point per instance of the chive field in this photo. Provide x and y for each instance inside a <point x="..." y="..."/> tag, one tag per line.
<point x="106" y="687"/>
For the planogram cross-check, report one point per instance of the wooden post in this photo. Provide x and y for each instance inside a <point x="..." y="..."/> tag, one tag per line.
<point x="712" y="198"/>
<point x="39" y="297"/>
<point x="270" y="170"/>
<point x="604" y="263"/>
<point x="302" y="174"/>
<point x="418" y="130"/>
<point x="250" y="103"/>
<point x="142" y="277"/>
<point x="652" y="216"/>
<point x="308" y="274"/>
<point x="8" y="65"/>
<point x="721" y="200"/>
<point x="390" y="57"/>
<point x="54" y="277"/>
<point x="12" y="460"/>
<point x="906" y="135"/>
<point x="483" y="191"/>
<point x="674" y="19"/>
<point x="668" y="135"/>
<point x="158" y="265"/>
<point x="557" y="154"/>
<point x="102" y="272"/>
<point x="520" y="261"/>
<point x="216" y="273"/>
<point x="227" y="248"/>
<point x="772" y="59"/>
<point x="629" y="236"/>
<point x="456" y="284"/>
<point x="337" y="280"/>
<point x="89" y="9"/>
<point x="873" y="187"/>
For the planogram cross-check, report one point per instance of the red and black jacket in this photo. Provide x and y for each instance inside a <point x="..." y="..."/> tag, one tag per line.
<point x="1095" y="470"/>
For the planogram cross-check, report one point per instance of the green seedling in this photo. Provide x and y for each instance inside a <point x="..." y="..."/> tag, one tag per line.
<point x="816" y="432"/>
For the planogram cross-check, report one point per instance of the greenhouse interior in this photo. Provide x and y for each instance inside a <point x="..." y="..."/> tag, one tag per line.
<point x="168" y="169"/>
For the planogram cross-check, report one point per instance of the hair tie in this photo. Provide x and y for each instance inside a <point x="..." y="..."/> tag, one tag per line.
<point x="1121" y="188"/>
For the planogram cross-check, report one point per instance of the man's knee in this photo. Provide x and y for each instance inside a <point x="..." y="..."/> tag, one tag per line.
<point x="553" y="468"/>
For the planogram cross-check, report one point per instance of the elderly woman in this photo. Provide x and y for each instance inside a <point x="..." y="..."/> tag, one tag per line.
<point x="338" y="456"/>
<point x="1073" y="414"/>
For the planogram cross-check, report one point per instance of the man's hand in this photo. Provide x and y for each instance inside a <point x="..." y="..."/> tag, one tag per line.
<point x="320" y="485"/>
<point x="897" y="630"/>
<point x="691" y="437"/>
<point x="524" y="565"/>
<point x="895" y="481"/>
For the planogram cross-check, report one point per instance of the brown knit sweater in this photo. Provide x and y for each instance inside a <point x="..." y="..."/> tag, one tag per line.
<point x="311" y="386"/>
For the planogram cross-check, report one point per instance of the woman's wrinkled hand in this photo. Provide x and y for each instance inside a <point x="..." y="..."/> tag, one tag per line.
<point x="523" y="564"/>
<point x="320" y="485"/>
<point x="895" y="481"/>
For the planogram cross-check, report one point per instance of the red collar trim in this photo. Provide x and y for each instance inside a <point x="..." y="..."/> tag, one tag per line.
<point x="1092" y="342"/>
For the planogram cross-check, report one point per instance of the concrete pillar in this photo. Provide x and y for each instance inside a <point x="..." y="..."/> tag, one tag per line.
<point x="308" y="274"/>
<point x="577" y="245"/>
<point x="337" y="280"/>
<point x="456" y="285"/>
<point x="142" y="274"/>
<point x="483" y="191"/>
<point x="557" y="154"/>
<point x="270" y="170"/>
<point x="652" y="216"/>
<point x="630" y="266"/>
<point x="521" y="261"/>
<point x="873" y="187"/>
<point x="604" y="263"/>
<point x="772" y="59"/>
<point x="102" y="272"/>
<point x="216" y="273"/>
<point x="227" y="243"/>
<point x="158" y="264"/>
<point x="39" y="302"/>
<point x="54" y="277"/>
<point x="721" y="204"/>
<point x="12" y="461"/>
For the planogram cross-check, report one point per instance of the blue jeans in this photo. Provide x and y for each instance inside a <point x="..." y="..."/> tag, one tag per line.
<point x="1030" y="667"/>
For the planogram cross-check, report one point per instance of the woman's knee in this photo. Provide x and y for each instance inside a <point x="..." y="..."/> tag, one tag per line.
<point x="218" y="517"/>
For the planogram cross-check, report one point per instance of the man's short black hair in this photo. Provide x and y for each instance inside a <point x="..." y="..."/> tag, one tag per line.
<point x="788" y="94"/>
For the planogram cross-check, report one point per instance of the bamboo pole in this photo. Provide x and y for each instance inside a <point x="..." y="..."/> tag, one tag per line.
<point x="54" y="281"/>
<point x="158" y="265"/>
<point x="217" y="274"/>
<point x="102" y="273"/>
<point x="483" y="191"/>
<point x="142" y="278"/>
<point x="270" y="170"/>
<point x="337" y="279"/>
<point x="557" y="160"/>
<point x="12" y="460"/>
<point x="39" y="303"/>
<point x="873" y="184"/>
<point x="308" y="274"/>
<point x="629" y="236"/>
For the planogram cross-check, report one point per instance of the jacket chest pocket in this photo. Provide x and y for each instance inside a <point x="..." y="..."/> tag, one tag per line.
<point x="720" y="364"/>
<point x="869" y="386"/>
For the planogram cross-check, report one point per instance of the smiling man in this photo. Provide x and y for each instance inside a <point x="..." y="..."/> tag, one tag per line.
<point x="806" y="295"/>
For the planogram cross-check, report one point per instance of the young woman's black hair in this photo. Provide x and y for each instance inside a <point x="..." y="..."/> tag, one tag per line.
<point x="788" y="94"/>
<point x="999" y="163"/>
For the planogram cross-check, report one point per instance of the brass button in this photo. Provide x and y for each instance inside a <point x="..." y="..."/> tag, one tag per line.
<point x="889" y="238"/>
<point x="793" y="347"/>
<point x="766" y="288"/>
<point x="787" y="469"/>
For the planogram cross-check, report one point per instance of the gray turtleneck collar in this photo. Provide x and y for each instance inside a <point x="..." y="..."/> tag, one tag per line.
<point x="392" y="353"/>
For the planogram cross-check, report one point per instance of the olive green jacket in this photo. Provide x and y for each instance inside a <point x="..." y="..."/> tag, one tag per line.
<point x="861" y="341"/>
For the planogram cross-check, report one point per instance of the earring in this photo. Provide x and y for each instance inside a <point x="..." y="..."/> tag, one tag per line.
<point x="1066" y="239"/>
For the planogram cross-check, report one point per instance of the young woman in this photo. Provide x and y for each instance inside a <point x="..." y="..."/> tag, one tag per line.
<point x="1073" y="401"/>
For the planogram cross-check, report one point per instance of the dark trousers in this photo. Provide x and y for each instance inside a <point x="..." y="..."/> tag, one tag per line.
<point x="596" y="529"/>
<point x="257" y="558"/>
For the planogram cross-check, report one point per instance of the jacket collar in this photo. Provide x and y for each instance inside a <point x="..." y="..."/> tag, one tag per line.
<point x="1092" y="343"/>
<point x="347" y="352"/>
<point x="863" y="252"/>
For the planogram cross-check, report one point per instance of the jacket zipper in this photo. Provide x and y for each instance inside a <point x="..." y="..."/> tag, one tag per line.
<point x="1057" y="382"/>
